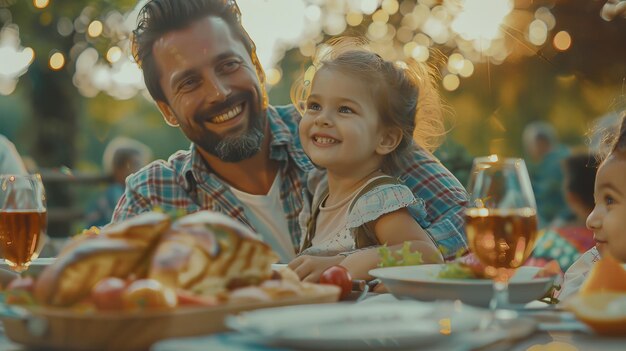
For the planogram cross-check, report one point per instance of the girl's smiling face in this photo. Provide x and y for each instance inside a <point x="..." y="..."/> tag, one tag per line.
<point x="608" y="219"/>
<point x="341" y="129"/>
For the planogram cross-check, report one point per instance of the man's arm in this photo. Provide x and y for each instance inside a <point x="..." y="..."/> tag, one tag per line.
<point x="130" y="204"/>
<point x="444" y="199"/>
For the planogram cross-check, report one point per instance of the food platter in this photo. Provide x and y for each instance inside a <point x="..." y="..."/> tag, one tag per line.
<point x="422" y="283"/>
<point x="63" y="329"/>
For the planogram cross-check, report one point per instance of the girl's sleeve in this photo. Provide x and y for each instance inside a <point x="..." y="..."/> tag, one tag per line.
<point x="381" y="200"/>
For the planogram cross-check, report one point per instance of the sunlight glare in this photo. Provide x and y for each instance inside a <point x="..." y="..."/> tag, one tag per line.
<point x="481" y="18"/>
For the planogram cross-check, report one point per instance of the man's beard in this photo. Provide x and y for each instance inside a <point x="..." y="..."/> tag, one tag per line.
<point x="239" y="147"/>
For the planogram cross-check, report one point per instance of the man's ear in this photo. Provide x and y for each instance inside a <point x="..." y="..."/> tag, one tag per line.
<point x="389" y="141"/>
<point x="168" y="114"/>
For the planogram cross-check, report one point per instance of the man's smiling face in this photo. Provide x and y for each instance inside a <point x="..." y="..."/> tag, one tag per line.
<point x="212" y="89"/>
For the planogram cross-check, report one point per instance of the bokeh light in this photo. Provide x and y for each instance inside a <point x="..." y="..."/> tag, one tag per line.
<point x="537" y="32"/>
<point x="57" y="61"/>
<point x="273" y="76"/>
<point x="41" y="4"/>
<point x="114" y="54"/>
<point x="562" y="41"/>
<point x="95" y="29"/>
<point x="451" y="82"/>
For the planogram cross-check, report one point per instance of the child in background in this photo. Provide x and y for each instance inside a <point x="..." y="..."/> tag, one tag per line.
<point x="566" y="241"/>
<point x="358" y="122"/>
<point x="608" y="219"/>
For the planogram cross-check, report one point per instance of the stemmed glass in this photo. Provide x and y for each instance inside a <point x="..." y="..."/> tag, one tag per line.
<point x="501" y="221"/>
<point x="23" y="219"/>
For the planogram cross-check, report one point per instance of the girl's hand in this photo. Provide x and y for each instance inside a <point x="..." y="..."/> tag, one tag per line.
<point x="309" y="268"/>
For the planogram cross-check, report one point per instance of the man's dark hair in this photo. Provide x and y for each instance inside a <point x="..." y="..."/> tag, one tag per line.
<point x="159" y="17"/>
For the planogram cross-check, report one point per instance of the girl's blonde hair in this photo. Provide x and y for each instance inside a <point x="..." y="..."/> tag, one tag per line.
<point x="404" y="92"/>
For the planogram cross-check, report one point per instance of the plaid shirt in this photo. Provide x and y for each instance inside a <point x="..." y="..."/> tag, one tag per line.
<point x="185" y="184"/>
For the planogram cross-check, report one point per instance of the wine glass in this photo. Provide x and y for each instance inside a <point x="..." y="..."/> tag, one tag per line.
<point x="23" y="219"/>
<point x="501" y="221"/>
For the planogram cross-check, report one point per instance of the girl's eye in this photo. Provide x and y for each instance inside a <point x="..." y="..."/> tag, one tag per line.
<point x="608" y="200"/>
<point x="345" y="109"/>
<point x="313" y="106"/>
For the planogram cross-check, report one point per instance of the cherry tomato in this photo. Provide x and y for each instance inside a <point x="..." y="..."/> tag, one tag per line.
<point x="19" y="291"/>
<point x="186" y="298"/>
<point x="338" y="275"/>
<point x="107" y="294"/>
<point x="23" y="284"/>
<point x="145" y="294"/>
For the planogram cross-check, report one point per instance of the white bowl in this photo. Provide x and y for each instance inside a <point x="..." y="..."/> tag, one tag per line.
<point x="422" y="283"/>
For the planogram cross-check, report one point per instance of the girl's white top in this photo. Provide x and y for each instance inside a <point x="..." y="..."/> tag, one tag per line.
<point x="335" y="226"/>
<point x="577" y="273"/>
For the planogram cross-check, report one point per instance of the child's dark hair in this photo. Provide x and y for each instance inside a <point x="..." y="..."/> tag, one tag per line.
<point x="580" y="176"/>
<point x="404" y="93"/>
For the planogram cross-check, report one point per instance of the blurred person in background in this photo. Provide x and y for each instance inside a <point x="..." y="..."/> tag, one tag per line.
<point x="564" y="241"/>
<point x="544" y="167"/>
<point x="122" y="157"/>
<point x="10" y="160"/>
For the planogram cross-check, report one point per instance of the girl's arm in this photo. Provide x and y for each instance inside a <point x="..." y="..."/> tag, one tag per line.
<point x="394" y="229"/>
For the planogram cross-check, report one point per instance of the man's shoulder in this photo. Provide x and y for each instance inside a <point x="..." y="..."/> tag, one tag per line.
<point x="161" y="172"/>
<point x="423" y="167"/>
<point x="288" y="114"/>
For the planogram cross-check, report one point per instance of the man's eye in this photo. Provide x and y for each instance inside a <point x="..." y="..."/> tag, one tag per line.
<point x="345" y="109"/>
<point x="230" y="66"/>
<point x="313" y="106"/>
<point x="187" y="84"/>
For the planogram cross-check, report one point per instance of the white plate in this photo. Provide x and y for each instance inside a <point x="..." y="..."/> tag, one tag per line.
<point x="377" y="326"/>
<point x="422" y="283"/>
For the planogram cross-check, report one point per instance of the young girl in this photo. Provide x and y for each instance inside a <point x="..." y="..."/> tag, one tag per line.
<point x="358" y="121"/>
<point x="608" y="218"/>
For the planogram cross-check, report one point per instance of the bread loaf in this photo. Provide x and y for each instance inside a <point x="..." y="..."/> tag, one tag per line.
<point x="118" y="251"/>
<point x="208" y="252"/>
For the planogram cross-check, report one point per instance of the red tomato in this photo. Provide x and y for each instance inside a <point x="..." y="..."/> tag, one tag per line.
<point x="107" y="294"/>
<point x="338" y="275"/>
<point x="23" y="284"/>
<point x="185" y="298"/>
<point x="146" y="294"/>
<point x="19" y="291"/>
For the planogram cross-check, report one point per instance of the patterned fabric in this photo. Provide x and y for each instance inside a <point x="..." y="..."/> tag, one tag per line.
<point x="370" y="206"/>
<point x="381" y="200"/>
<point x="563" y="244"/>
<point x="185" y="184"/>
<point x="578" y="272"/>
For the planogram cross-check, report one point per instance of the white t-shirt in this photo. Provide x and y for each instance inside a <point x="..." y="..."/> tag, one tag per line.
<point x="267" y="215"/>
